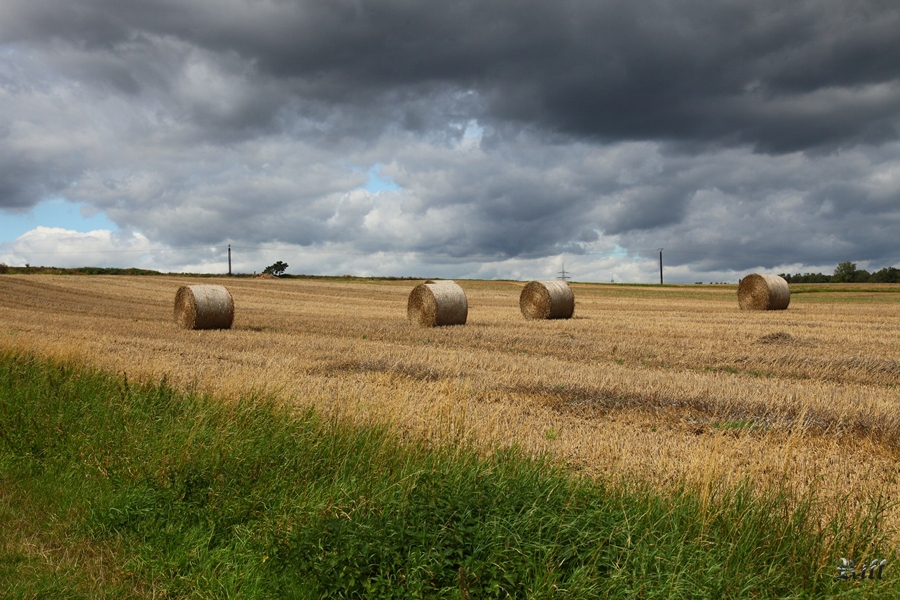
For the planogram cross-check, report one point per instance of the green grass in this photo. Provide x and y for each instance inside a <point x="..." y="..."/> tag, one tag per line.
<point x="845" y="288"/>
<point x="109" y="489"/>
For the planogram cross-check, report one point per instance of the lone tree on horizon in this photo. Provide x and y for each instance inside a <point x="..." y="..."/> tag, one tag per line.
<point x="276" y="269"/>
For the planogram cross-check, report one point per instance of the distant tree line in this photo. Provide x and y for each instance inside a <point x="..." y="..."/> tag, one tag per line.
<point x="29" y="269"/>
<point x="846" y="272"/>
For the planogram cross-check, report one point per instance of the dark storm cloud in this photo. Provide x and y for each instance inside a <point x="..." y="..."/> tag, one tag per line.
<point x="23" y="181"/>
<point x="779" y="76"/>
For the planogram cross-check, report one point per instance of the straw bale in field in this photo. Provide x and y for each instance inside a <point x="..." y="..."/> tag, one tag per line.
<point x="204" y="307"/>
<point x="763" y="292"/>
<point x="436" y="303"/>
<point x="547" y="300"/>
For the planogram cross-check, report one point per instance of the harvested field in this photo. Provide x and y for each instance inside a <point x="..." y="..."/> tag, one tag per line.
<point x="644" y="383"/>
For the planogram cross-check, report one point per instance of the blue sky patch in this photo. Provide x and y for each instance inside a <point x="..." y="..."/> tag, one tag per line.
<point x="378" y="182"/>
<point x="56" y="212"/>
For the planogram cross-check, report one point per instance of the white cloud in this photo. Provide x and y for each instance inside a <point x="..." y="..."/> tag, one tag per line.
<point x="68" y="248"/>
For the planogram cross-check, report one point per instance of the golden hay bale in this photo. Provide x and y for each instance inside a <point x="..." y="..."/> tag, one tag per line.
<point x="547" y="300"/>
<point x="763" y="292"/>
<point x="204" y="307"/>
<point x="436" y="303"/>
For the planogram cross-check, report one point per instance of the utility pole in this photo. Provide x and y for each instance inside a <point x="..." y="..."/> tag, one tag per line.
<point x="660" y="267"/>
<point x="229" y="260"/>
<point x="562" y="274"/>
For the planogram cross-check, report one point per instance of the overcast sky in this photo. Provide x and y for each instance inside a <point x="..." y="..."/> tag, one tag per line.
<point x="461" y="138"/>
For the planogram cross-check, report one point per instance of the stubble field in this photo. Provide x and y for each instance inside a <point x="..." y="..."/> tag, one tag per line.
<point x="645" y="384"/>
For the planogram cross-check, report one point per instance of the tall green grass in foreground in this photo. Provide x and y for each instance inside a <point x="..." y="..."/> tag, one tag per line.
<point x="116" y="490"/>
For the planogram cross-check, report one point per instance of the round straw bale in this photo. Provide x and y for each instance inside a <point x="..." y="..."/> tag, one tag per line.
<point x="436" y="303"/>
<point x="547" y="300"/>
<point x="763" y="292"/>
<point x="204" y="307"/>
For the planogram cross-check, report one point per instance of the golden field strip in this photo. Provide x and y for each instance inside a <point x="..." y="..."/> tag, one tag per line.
<point x="645" y="384"/>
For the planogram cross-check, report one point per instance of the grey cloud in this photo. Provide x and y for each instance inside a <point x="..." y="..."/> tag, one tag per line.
<point x="645" y="208"/>
<point x="21" y="181"/>
<point x="271" y="190"/>
<point x="35" y="162"/>
<point x="731" y="73"/>
<point x="809" y="210"/>
<point x="733" y="134"/>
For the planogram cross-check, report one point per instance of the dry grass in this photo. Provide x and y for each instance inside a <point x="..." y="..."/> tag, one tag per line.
<point x="649" y="383"/>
